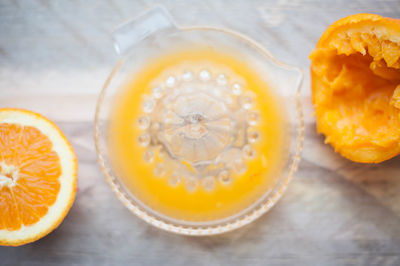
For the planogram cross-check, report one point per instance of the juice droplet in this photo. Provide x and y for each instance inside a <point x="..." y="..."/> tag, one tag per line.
<point x="204" y="75"/>
<point x="208" y="183"/>
<point x="247" y="101"/>
<point x="143" y="122"/>
<point x="224" y="177"/>
<point x="248" y="152"/>
<point x="144" y="140"/>
<point x="253" y="118"/>
<point x="191" y="184"/>
<point x="221" y="80"/>
<point x="148" y="106"/>
<point x="187" y="75"/>
<point x="236" y="89"/>
<point x="159" y="170"/>
<point x="239" y="166"/>
<point x="170" y="82"/>
<point x="148" y="156"/>
<point x="174" y="180"/>
<point x="253" y="136"/>
<point x="157" y="92"/>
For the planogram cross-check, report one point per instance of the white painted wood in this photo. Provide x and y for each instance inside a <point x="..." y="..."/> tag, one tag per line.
<point x="54" y="58"/>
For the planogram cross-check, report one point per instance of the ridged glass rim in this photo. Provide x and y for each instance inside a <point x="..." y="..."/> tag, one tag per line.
<point x="254" y="212"/>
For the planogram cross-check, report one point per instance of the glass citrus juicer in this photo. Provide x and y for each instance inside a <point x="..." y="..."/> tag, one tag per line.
<point x="198" y="130"/>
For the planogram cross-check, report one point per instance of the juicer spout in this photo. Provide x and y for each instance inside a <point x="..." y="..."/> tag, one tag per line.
<point x="156" y="20"/>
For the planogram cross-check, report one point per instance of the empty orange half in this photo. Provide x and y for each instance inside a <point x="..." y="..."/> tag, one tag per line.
<point x="355" y="74"/>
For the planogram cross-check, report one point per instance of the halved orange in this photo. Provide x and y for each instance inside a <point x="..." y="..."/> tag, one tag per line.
<point x="355" y="74"/>
<point x="38" y="175"/>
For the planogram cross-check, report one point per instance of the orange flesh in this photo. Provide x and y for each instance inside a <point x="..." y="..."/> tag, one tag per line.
<point x="35" y="171"/>
<point x="356" y="92"/>
<point x="178" y="202"/>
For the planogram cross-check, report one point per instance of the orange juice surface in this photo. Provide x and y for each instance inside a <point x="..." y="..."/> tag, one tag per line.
<point x="197" y="135"/>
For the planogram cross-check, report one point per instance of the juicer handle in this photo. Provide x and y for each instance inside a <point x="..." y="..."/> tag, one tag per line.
<point x="137" y="29"/>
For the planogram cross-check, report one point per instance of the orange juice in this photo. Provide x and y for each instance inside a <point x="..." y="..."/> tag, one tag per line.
<point x="197" y="135"/>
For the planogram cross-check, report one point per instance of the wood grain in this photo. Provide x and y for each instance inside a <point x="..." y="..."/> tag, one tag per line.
<point x="54" y="58"/>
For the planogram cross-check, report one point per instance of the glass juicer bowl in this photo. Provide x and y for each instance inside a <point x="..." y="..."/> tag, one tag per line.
<point x="191" y="119"/>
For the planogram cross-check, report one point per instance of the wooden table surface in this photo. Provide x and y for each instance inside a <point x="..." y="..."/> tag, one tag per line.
<point x="54" y="58"/>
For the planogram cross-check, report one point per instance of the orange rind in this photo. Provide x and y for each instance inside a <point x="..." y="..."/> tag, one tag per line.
<point x="355" y="73"/>
<point x="38" y="176"/>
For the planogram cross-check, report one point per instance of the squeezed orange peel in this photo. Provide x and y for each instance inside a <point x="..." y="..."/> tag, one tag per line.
<point x="355" y="73"/>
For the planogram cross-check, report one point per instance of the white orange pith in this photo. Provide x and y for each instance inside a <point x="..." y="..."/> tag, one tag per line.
<point x="38" y="174"/>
